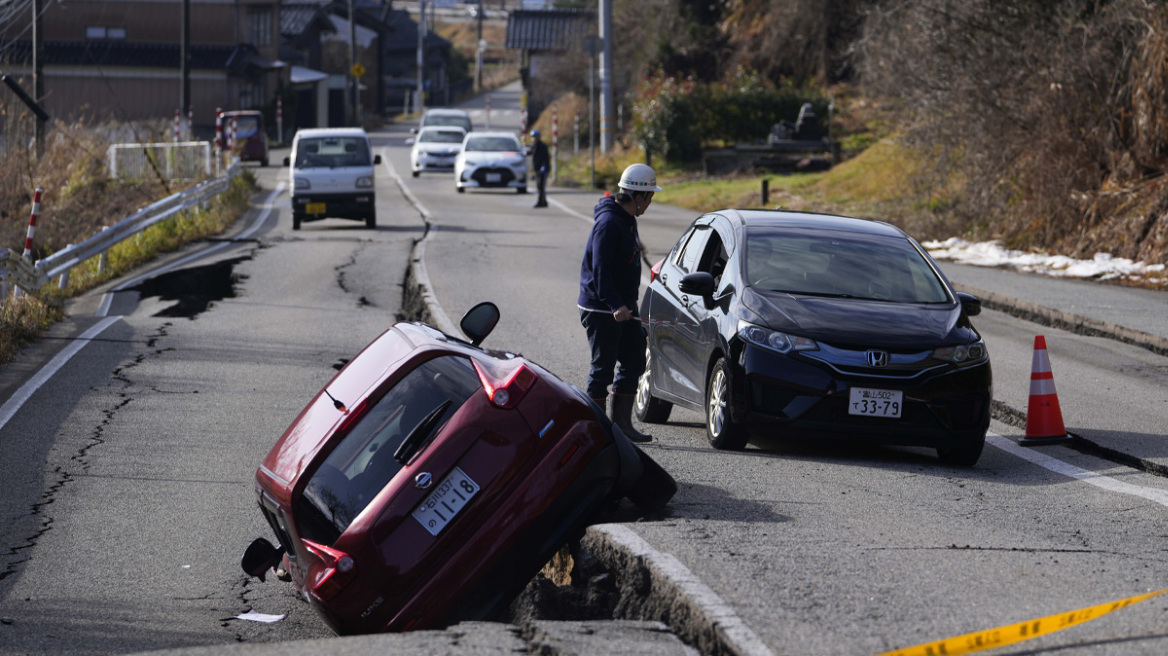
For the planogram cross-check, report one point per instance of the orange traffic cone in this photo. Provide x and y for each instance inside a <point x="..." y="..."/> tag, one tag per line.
<point x="1044" y="419"/>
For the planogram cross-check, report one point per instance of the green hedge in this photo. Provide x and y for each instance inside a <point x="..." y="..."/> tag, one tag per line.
<point x="676" y="117"/>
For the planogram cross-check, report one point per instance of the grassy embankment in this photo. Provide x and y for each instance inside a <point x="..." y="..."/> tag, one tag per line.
<point x="79" y="199"/>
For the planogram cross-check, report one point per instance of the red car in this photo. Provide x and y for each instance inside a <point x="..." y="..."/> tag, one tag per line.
<point x="431" y="479"/>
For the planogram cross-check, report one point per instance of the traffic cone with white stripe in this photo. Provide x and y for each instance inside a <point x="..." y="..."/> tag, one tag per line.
<point x="1044" y="418"/>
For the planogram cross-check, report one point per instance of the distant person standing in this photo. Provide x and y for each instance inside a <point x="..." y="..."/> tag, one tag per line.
<point x="540" y="161"/>
<point x="610" y="275"/>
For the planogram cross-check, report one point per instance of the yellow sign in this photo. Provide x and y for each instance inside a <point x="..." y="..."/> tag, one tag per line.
<point x="1008" y="635"/>
<point x="358" y="70"/>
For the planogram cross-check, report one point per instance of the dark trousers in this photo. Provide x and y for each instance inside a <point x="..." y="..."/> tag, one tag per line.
<point x="541" y="185"/>
<point x="618" y="345"/>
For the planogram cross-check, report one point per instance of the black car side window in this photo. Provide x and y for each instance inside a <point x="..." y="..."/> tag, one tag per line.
<point x="689" y="257"/>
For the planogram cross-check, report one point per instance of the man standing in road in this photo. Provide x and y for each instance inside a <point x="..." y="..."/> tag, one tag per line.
<point x="610" y="276"/>
<point x="539" y="163"/>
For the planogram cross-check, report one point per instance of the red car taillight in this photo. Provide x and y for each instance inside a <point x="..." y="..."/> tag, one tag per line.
<point x="656" y="270"/>
<point x="506" y="392"/>
<point x="337" y="571"/>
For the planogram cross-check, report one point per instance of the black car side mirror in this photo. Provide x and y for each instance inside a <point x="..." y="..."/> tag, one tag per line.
<point x="479" y="321"/>
<point x="970" y="303"/>
<point x="260" y="557"/>
<point x="699" y="283"/>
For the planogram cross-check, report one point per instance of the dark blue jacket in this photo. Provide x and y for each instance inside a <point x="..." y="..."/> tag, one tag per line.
<point x="610" y="273"/>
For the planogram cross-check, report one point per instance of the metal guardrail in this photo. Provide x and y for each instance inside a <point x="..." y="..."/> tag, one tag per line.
<point x="31" y="276"/>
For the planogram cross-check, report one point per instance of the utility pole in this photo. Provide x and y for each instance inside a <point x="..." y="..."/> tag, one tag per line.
<point x="420" y="94"/>
<point x="355" y="89"/>
<point x="184" y="67"/>
<point x="479" y="45"/>
<point x="38" y="71"/>
<point x="606" y="100"/>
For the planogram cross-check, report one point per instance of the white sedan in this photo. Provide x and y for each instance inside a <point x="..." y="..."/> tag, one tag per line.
<point x="435" y="149"/>
<point x="491" y="159"/>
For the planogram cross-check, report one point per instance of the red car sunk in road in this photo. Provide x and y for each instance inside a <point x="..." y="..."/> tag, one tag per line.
<point x="431" y="479"/>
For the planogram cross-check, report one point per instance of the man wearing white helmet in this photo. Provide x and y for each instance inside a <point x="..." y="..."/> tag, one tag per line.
<point x="610" y="275"/>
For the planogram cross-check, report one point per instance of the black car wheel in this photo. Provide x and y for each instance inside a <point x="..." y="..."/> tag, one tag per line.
<point x="655" y="488"/>
<point x="647" y="408"/>
<point x="724" y="433"/>
<point x="296" y="221"/>
<point x="371" y="220"/>
<point x="965" y="455"/>
<point x="521" y="190"/>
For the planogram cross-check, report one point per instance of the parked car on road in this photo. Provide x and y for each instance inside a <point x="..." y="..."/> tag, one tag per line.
<point x="491" y="160"/>
<point x="444" y="118"/>
<point x="251" y="138"/>
<point x="814" y="326"/>
<point x="332" y="176"/>
<point x="435" y="148"/>
<point x="431" y="479"/>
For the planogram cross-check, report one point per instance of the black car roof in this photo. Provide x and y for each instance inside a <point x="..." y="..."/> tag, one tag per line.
<point x="809" y="220"/>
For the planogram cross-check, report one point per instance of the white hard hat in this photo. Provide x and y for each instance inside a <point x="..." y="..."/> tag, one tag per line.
<point x="639" y="177"/>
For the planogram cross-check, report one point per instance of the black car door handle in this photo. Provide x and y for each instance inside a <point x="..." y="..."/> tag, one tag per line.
<point x="684" y="299"/>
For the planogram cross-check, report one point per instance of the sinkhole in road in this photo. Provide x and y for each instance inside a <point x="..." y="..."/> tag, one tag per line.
<point x="193" y="289"/>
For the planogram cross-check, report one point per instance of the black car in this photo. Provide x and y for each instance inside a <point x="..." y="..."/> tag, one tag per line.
<point x="800" y="325"/>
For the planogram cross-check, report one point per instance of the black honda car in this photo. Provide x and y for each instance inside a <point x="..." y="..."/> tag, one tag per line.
<point x="811" y="326"/>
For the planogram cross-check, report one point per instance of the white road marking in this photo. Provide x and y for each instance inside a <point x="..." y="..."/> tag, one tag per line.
<point x="1093" y="478"/>
<point x="22" y="395"/>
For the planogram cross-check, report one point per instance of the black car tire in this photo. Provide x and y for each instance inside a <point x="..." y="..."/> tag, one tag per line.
<point x="721" y="429"/>
<point x="371" y="220"/>
<point x="647" y="408"/>
<point x="965" y="455"/>
<point x="521" y="190"/>
<point x="655" y="488"/>
<point x="296" y="221"/>
<point x="461" y="190"/>
<point x="416" y="173"/>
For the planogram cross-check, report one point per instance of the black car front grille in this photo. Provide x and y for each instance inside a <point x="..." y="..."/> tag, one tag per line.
<point x="875" y="363"/>
<point x="506" y="176"/>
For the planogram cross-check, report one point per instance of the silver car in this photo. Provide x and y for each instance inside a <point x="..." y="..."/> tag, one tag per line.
<point x="491" y="159"/>
<point x="435" y="149"/>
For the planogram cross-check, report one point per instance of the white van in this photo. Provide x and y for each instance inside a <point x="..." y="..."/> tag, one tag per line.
<point x="332" y="176"/>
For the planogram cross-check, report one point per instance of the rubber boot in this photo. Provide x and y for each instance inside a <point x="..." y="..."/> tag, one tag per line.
<point x="622" y="415"/>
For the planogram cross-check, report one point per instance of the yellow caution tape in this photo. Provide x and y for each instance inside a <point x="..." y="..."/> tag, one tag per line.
<point x="1008" y="635"/>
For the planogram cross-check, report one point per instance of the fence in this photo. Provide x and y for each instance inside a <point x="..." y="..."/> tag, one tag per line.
<point x="31" y="276"/>
<point x="183" y="160"/>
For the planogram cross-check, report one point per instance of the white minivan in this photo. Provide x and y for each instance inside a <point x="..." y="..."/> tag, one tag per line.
<point x="332" y="176"/>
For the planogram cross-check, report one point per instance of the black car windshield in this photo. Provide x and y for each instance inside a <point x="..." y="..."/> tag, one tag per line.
<point x="441" y="136"/>
<point x="332" y="152"/>
<point x="492" y="144"/>
<point x="841" y="264"/>
<point x="363" y="462"/>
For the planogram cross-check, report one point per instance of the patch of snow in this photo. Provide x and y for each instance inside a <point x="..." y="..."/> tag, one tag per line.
<point x="992" y="254"/>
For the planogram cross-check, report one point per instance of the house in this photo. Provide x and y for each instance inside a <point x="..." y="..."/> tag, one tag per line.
<point x="552" y="51"/>
<point x="120" y="59"/>
<point x="306" y="99"/>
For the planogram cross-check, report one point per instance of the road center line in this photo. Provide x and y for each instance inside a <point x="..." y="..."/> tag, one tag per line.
<point x="1059" y="467"/>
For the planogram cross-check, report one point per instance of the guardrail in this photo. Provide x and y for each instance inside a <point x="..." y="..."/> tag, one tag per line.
<point x="31" y="276"/>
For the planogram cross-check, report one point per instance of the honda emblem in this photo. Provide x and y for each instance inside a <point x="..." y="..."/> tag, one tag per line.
<point x="877" y="358"/>
<point x="423" y="481"/>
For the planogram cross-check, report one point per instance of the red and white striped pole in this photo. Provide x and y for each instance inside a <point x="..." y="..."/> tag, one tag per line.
<point x="279" y="120"/>
<point x="190" y="123"/>
<point x="555" y="140"/>
<point x="231" y="137"/>
<point x="177" y="124"/>
<point x="219" y="130"/>
<point x="32" y="220"/>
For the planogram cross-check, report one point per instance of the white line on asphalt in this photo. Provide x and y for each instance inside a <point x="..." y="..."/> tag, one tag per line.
<point x="108" y="298"/>
<point x="22" y="395"/>
<point x="742" y="640"/>
<point x="421" y="275"/>
<point x="1094" y="478"/>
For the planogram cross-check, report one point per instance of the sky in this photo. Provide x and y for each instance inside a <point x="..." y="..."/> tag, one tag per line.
<point x="1102" y="267"/>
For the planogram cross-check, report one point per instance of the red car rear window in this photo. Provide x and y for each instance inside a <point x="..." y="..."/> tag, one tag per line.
<point x="362" y="462"/>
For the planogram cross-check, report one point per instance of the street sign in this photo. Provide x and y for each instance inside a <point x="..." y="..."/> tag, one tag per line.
<point x="358" y="69"/>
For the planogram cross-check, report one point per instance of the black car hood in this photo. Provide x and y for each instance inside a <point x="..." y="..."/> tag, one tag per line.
<point x="859" y="322"/>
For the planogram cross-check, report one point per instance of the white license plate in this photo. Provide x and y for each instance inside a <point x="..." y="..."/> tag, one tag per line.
<point x="875" y="402"/>
<point x="494" y="177"/>
<point x="446" y="501"/>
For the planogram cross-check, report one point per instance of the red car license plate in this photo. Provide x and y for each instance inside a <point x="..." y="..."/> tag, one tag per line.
<point x="446" y="501"/>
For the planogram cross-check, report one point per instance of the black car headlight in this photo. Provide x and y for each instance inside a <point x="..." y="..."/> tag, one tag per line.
<point x="773" y="339"/>
<point x="963" y="354"/>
